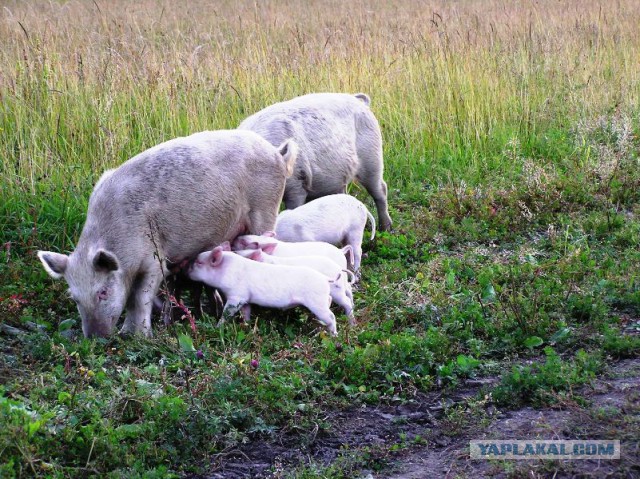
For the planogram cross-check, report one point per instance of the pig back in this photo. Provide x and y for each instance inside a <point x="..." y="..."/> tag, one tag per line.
<point x="324" y="126"/>
<point x="185" y="195"/>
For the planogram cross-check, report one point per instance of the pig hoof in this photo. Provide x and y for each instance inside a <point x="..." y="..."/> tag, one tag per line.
<point x="125" y="334"/>
<point x="128" y="333"/>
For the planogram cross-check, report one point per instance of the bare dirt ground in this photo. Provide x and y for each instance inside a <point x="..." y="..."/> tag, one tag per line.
<point x="612" y="411"/>
<point x="423" y="438"/>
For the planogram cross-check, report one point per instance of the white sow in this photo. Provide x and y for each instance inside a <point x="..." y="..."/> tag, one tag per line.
<point x="170" y="202"/>
<point x="339" y="139"/>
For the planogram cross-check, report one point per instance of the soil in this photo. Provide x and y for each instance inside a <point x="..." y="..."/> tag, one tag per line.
<point x="419" y="439"/>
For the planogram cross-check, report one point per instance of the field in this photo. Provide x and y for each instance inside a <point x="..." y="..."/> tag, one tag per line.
<point x="505" y="304"/>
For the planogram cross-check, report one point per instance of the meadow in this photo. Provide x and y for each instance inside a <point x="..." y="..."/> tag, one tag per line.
<point x="508" y="286"/>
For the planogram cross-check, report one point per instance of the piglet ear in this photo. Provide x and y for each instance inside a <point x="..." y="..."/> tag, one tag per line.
<point x="216" y="256"/>
<point x="226" y="246"/>
<point x="269" y="234"/>
<point x="256" y="255"/>
<point x="105" y="261"/>
<point x="269" y="248"/>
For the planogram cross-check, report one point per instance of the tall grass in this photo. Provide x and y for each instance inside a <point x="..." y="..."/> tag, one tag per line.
<point x="86" y="85"/>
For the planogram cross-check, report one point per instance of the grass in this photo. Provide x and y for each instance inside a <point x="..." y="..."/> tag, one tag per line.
<point x="511" y="153"/>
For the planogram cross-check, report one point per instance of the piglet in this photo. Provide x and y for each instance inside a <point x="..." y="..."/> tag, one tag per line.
<point x="270" y="245"/>
<point x="245" y="282"/>
<point x="336" y="219"/>
<point x="341" y="294"/>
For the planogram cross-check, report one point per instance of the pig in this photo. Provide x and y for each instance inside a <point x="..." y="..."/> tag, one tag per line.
<point x="336" y="219"/>
<point x="167" y="204"/>
<point x="245" y="282"/>
<point x="270" y="245"/>
<point x="341" y="296"/>
<point x="339" y="139"/>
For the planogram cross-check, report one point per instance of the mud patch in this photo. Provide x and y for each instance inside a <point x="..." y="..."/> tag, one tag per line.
<point x="378" y="428"/>
<point x="612" y="412"/>
<point x="421" y="439"/>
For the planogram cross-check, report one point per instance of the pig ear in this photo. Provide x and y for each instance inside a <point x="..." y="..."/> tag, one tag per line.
<point x="269" y="234"/>
<point x="54" y="263"/>
<point x="216" y="256"/>
<point x="105" y="261"/>
<point x="289" y="152"/>
<point x="226" y="246"/>
<point x="256" y="255"/>
<point x="269" y="248"/>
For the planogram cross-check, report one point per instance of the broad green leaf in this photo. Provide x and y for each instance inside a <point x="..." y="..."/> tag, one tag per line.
<point x="66" y="324"/>
<point x="560" y="335"/>
<point x="186" y="343"/>
<point x="533" y="342"/>
<point x="488" y="293"/>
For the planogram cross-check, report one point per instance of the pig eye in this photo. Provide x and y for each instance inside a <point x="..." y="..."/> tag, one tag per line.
<point x="103" y="294"/>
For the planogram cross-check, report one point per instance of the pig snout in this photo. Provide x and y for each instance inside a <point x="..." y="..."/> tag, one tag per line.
<point x="93" y="327"/>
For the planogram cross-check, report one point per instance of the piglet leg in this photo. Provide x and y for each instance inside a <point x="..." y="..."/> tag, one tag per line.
<point x="230" y="309"/>
<point x="246" y="313"/>
<point x="216" y="304"/>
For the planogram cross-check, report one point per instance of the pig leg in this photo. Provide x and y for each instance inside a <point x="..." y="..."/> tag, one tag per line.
<point x="343" y="301"/>
<point x="230" y="309"/>
<point x="349" y="293"/>
<point x="215" y="301"/>
<point x="294" y="195"/>
<point x="325" y="316"/>
<point x="341" y="298"/>
<point x="246" y="313"/>
<point x="348" y="290"/>
<point x="369" y="151"/>
<point x="140" y="302"/>
<point x="377" y="188"/>
<point x="354" y="238"/>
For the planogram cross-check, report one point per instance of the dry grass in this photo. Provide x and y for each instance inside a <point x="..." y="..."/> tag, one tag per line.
<point x="86" y="85"/>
